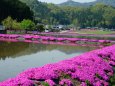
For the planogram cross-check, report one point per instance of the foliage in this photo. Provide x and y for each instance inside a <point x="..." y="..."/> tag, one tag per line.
<point x="112" y="80"/>
<point x="14" y="8"/>
<point x="87" y="82"/>
<point x="16" y="25"/>
<point x="27" y="24"/>
<point x="40" y="9"/>
<point x="8" y="22"/>
<point x="45" y="84"/>
<point x="40" y="28"/>
<point x="98" y="15"/>
<point x="77" y="4"/>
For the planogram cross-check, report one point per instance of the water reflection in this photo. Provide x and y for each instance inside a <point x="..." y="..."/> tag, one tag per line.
<point x="16" y="57"/>
<point x="10" y="49"/>
<point x="17" y="49"/>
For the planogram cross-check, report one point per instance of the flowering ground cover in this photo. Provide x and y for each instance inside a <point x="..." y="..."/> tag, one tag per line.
<point x="52" y="38"/>
<point x="95" y="68"/>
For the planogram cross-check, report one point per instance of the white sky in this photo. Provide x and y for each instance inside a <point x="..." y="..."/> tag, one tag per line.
<point x="60" y="1"/>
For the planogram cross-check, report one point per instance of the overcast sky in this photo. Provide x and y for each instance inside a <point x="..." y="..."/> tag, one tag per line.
<point x="60" y="1"/>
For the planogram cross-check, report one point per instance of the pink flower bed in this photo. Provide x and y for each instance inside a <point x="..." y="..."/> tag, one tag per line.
<point x="61" y="39"/>
<point x="94" y="68"/>
<point x="51" y="38"/>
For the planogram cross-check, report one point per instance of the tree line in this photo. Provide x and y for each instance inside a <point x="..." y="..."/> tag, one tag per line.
<point x="25" y="24"/>
<point x="99" y="15"/>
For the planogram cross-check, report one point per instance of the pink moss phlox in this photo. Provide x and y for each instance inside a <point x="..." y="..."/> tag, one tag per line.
<point x="50" y="82"/>
<point x="83" y="84"/>
<point x="96" y="67"/>
<point x="66" y="82"/>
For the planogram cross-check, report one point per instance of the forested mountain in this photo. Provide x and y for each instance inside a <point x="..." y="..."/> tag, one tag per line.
<point x="107" y="2"/>
<point x="40" y="9"/>
<point x="46" y="13"/>
<point x="98" y="15"/>
<point x="15" y="9"/>
<point x="73" y="3"/>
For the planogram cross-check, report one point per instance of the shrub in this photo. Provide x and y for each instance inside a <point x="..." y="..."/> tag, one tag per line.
<point x="27" y="24"/>
<point x="8" y="22"/>
<point x="40" y="28"/>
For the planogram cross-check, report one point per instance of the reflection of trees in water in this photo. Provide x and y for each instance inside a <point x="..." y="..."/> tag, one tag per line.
<point x="10" y="49"/>
<point x="70" y="49"/>
<point x="13" y="50"/>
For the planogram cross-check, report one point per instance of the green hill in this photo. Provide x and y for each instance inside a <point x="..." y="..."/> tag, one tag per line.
<point x="95" y="15"/>
<point x="73" y="3"/>
<point x="40" y="9"/>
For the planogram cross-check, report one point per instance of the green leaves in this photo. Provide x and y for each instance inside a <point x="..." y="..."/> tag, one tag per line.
<point x="16" y="25"/>
<point x="27" y="24"/>
<point x="45" y="84"/>
<point x="112" y="80"/>
<point x="98" y="15"/>
<point x="9" y="23"/>
<point x="87" y="82"/>
<point x="14" y="8"/>
<point x="40" y="28"/>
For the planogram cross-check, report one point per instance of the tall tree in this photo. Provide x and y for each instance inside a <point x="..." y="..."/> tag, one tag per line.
<point x="15" y="9"/>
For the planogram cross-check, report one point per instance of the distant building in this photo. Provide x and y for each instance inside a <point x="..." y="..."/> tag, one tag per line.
<point x="47" y="30"/>
<point x="58" y="27"/>
<point x="2" y="29"/>
<point x="55" y="28"/>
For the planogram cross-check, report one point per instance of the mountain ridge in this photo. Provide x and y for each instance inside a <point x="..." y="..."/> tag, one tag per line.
<point x="74" y="3"/>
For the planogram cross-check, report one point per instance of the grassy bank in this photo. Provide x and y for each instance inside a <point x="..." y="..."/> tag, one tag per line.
<point x="95" y="32"/>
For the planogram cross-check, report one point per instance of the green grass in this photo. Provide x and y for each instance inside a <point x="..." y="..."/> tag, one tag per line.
<point x="95" y="32"/>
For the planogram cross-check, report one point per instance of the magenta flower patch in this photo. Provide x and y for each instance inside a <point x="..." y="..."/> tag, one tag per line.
<point x="90" y="69"/>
